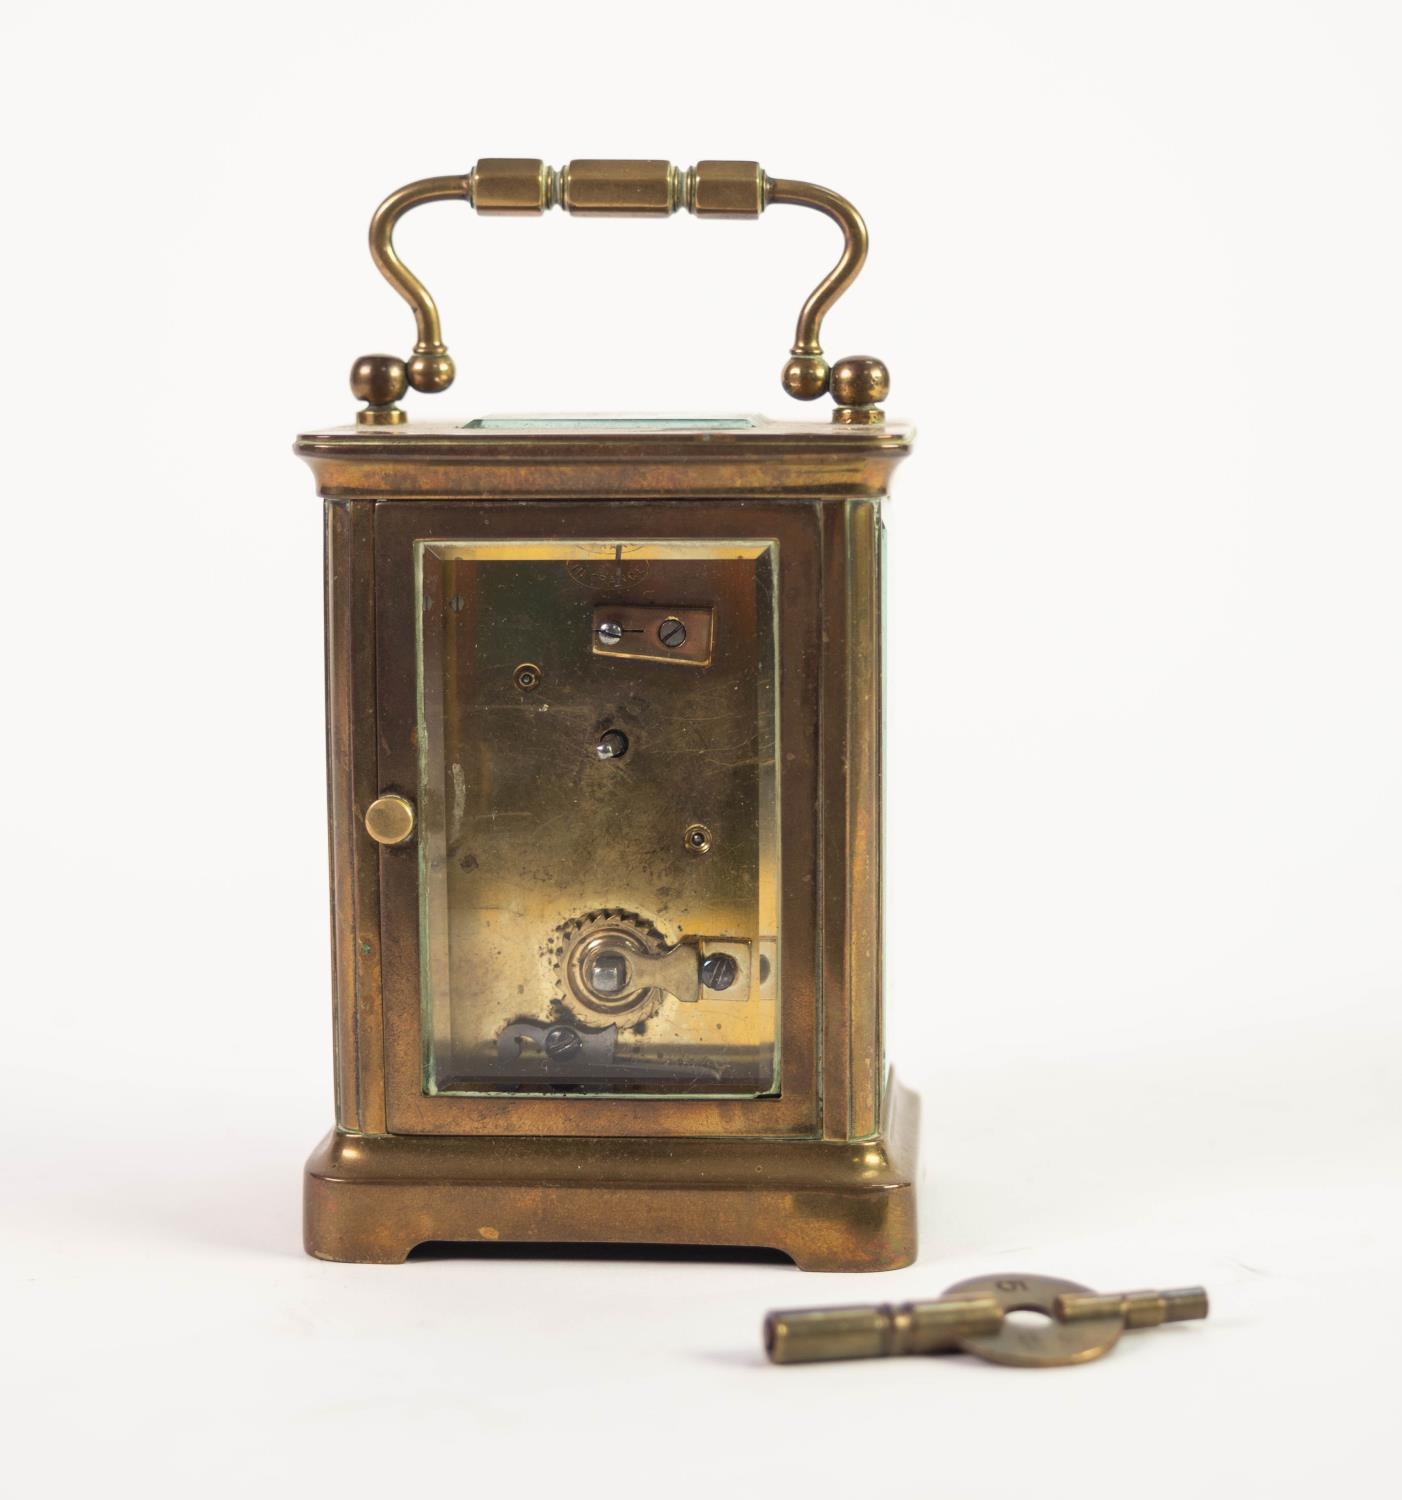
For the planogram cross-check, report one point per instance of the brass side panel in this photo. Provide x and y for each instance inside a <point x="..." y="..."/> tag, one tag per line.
<point x="352" y="785"/>
<point x="851" y="821"/>
<point x="865" y="816"/>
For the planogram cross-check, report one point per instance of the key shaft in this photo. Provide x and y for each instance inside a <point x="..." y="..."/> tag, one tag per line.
<point x="878" y="1330"/>
<point x="1138" y="1309"/>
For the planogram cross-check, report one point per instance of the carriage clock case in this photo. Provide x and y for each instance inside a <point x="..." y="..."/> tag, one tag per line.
<point x="604" y="740"/>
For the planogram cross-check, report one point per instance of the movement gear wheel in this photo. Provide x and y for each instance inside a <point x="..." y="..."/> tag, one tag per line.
<point x="591" y="964"/>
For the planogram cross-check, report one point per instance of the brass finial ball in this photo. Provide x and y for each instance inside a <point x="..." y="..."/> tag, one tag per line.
<point x="805" y="376"/>
<point x="380" y="379"/>
<point x="860" y="380"/>
<point x="431" y="372"/>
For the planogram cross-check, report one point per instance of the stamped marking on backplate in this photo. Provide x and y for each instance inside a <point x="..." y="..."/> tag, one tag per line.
<point x="1052" y="1342"/>
<point x="608" y="576"/>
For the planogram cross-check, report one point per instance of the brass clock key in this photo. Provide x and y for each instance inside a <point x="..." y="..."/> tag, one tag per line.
<point x="1078" y="1325"/>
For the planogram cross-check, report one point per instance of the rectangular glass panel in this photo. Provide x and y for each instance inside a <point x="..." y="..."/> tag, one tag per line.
<point x="598" y="802"/>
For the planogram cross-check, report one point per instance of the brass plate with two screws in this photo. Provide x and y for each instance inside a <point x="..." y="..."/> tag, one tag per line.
<point x="652" y="632"/>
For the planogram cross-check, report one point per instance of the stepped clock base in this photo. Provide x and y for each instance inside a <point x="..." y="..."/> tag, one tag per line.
<point x="828" y="1205"/>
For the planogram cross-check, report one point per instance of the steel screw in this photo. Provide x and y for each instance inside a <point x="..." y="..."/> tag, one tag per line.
<point x="562" y="1041"/>
<point x="527" y="676"/>
<point x="610" y="632"/>
<point x="612" y="745"/>
<point x="718" y="971"/>
<point x="671" y="632"/>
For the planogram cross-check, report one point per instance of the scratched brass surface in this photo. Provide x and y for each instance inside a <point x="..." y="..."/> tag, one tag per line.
<point x="527" y="831"/>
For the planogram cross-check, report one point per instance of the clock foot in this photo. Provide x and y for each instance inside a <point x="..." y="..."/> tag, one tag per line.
<point x="828" y="1205"/>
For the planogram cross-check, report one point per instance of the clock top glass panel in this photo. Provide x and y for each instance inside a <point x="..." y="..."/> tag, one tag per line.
<point x="599" y="857"/>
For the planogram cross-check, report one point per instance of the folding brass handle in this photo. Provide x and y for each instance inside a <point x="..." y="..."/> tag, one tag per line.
<point x="710" y="189"/>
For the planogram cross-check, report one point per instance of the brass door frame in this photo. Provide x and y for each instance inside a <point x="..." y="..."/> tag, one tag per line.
<point x="799" y="529"/>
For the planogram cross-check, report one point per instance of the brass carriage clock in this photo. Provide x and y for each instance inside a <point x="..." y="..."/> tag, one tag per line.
<point x="605" y="792"/>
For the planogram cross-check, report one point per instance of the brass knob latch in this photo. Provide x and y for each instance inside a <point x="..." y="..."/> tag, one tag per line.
<point x="640" y="189"/>
<point x="389" y="820"/>
<point x="1075" y="1324"/>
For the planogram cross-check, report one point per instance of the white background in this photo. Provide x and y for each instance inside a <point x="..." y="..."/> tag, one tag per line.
<point x="1137" y="271"/>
